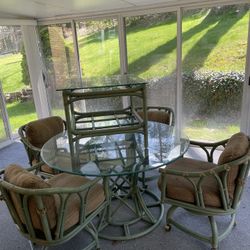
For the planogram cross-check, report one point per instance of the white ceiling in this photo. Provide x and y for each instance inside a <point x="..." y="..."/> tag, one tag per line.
<point x="40" y="9"/>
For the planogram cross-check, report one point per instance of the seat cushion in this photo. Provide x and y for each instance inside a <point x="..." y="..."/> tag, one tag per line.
<point x="20" y="177"/>
<point x="236" y="147"/>
<point x="94" y="199"/>
<point x="179" y="188"/>
<point x="157" y="116"/>
<point x="40" y="131"/>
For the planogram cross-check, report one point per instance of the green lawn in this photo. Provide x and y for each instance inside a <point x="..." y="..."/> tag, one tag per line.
<point x="209" y="43"/>
<point x="215" y="44"/>
<point x="11" y="73"/>
<point x="202" y="130"/>
<point x="20" y="114"/>
<point x="11" y="78"/>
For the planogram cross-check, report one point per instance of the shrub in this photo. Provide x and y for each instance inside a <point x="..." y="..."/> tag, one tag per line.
<point x="213" y="93"/>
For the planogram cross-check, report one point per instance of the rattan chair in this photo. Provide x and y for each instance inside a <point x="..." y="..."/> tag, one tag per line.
<point x="51" y="212"/>
<point x="34" y="134"/>
<point x="156" y="114"/>
<point x="159" y="114"/>
<point x="206" y="188"/>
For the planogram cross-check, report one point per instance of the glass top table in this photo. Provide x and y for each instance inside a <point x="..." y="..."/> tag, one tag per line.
<point x="120" y="159"/>
<point x="118" y="154"/>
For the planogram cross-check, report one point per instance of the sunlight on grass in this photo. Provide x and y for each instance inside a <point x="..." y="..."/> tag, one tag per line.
<point x="11" y="72"/>
<point x="20" y="114"/>
<point x="203" y="133"/>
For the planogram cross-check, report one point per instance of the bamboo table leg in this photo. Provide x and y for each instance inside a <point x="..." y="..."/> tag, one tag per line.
<point x="136" y="205"/>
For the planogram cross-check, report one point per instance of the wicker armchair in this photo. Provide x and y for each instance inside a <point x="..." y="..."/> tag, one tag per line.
<point x="156" y="114"/>
<point x="205" y="188"/>
<point x="51" y="212"/>
<point x="34" y="134"/>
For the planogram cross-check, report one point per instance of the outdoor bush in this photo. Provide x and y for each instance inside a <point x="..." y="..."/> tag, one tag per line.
<point x="25" y="70"/>
<point x="213" y="93"/>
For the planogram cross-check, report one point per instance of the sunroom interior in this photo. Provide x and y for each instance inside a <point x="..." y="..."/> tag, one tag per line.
<point x="194" y="56"/>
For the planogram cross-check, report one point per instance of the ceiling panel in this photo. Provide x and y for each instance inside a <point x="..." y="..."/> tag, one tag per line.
<point x="53" y="8"/>
<point x="39" y="9"/>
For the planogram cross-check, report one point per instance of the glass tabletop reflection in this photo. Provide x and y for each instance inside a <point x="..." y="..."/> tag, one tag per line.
<point x="118" y="154"/>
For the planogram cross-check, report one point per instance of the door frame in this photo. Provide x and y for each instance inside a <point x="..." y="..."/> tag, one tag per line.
<point x="9" y="137"/>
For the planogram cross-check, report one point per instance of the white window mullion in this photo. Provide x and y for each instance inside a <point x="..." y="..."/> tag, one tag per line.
<point x="245" y="110"/>
<point x="76" y="49"/>
<point x="122" y="45"/>
<point x="178" y="106"/>
<point x="35" y="66"/>
<point x="4" y="114"/>
<point x="123" y="53"/>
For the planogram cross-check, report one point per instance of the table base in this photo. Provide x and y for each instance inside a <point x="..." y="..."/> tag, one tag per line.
<point x="143" y="210"/>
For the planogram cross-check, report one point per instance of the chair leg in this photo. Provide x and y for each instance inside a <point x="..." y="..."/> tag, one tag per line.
<point x="144" y="185"/>
<point x="215" y="236"/>
<point x="33" y="246"/>
<point x="233" y="218"/>
<point x="170" y="212"/>
<point x="92" y="230"/>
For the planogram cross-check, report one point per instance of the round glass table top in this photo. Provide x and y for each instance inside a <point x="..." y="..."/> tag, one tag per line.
<point x="118" y="154"/>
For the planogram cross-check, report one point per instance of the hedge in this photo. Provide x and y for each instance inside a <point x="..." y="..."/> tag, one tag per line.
<point x="213" y="93"/>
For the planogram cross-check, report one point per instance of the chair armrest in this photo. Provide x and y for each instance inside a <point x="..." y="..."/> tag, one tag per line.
<point x="49" y="190"/>
<point x="209" y="144"/>
<point x="29" y="145"/>
<point x="209" y="147"/>
<point x="217" y="169"/>
<point x="36" y="166"/>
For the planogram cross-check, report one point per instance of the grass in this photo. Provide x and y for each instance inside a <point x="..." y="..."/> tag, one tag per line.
<point x="202" y="131"/>
<point x="215" y="43"/>
<point x="11" y="73"/>
<point x="99" y="59"/>
<point x="151" y="52"/>
<point x="11" y="78"/>
<point x="20" y="113"/>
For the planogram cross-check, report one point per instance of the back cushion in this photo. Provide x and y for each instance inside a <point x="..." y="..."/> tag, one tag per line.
<point x="40" y="131"/>
<point x="20" y="177"/>
<point x="236" y="147"/>
<point x="157" y="116"/>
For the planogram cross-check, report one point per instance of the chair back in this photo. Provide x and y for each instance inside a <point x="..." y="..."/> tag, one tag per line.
<point x="40" y="131"/>
<point x="159" y="114"/>
<point x="49" y="213"/>
<point x="236" y="155"/>
<point x="34" y="134"/>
